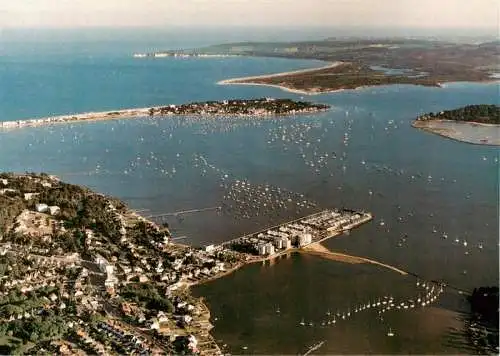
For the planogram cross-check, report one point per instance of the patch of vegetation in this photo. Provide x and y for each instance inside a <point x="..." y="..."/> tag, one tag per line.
<point x="486" y="114"/>
<point x="146" y="295"/>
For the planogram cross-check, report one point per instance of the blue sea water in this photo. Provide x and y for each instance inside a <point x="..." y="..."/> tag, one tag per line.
<point x="415" y="182"/>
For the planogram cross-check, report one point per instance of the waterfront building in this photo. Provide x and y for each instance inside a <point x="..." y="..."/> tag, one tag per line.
<point x="269" y="248"/>
<point x="261" y="248"/>
<point x="304" y="239"/>
<point x="286" y="243"/>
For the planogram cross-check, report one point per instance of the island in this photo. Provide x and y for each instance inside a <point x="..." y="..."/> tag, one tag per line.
<point x="262" y="107"/>
<point x="359" y="62"/>
<point x="478" y="124"/>
<point x="81" y="273"/>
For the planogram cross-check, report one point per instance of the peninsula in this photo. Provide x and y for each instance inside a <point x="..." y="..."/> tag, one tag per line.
<point x="478" y="124"/>
<point x="82" y="273"/>
<point x="262" y="107"/>
<point x="360" y="62"/>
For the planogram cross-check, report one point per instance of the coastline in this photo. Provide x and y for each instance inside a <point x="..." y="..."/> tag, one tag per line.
<point x="287" y="89"/>
<point x="432" y="126"/>
<point x="245" y="80"/>
<point x="280" y="74"/>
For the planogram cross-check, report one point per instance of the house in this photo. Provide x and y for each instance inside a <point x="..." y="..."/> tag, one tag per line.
<point x="4" y="181"/>
<point x="210" y="248"/>
<point x="41" y="208"/>
<point x="186" y="319"/>
<point x="29" y="196"/>
<point x="101" y="262"/>
<point x="192" y="343"/>
<point x="54" y="210"/>
<point x="7" y="190"/>
<point x="153" y="324"/>
<point x="162" y="318"/>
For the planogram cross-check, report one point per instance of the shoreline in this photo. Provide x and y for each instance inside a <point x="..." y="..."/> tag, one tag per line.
<point x="287" y="89"/>
<point x="280" y="74"/>
<point x="245" y="80"/>
<point x="317" y="91"/>
<point x="452" y="134"/>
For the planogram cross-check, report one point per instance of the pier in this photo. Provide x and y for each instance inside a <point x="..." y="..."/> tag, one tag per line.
<point x="181" y="212"/>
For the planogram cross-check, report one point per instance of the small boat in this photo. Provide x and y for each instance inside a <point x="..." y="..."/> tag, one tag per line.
<point x="302" y="322"/>
<point x="390" y="333"/>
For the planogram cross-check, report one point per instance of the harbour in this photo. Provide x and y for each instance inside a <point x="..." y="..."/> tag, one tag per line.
<point x="368" y="132"/>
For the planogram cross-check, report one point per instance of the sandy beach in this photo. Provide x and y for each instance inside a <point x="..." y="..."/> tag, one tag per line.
<point x="313" y="91"/>
<point x="281" y="74"/>
<point x="87" y="116"/>
<point x="321" y="251"/>
<point x="468" y="132"/>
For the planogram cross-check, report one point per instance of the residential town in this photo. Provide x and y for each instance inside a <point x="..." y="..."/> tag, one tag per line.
<point x="110" y="288"/>
<point x="80" y="272"/>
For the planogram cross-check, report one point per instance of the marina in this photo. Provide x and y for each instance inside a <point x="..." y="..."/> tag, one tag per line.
<point x="359" y="154"/>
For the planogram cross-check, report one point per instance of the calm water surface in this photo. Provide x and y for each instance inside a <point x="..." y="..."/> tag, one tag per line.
<point x="422" y="187"/>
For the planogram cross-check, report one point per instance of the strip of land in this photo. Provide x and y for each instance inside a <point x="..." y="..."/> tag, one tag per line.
<point x="321" y="251"/>
<point x="262" y="107"/>
<point x="473" y="133"/>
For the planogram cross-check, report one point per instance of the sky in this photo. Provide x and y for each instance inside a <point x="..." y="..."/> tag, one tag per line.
<point x="473" y="14"/>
